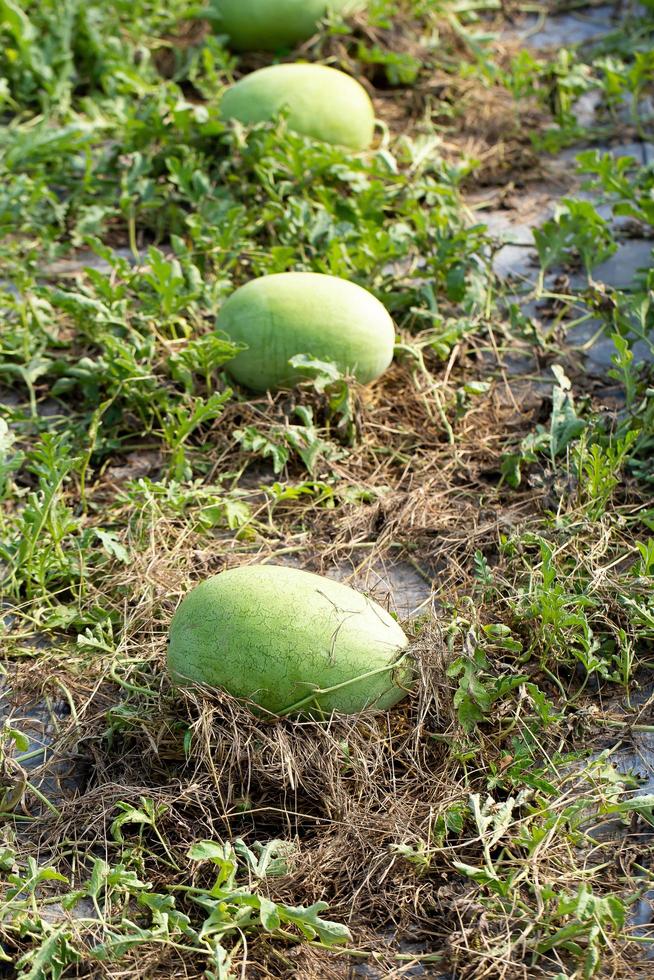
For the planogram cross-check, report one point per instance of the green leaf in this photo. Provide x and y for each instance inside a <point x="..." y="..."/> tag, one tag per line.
<point x="481" y="875"/>
<point x="255" y="442"/>
<point x="208" y="850"/>
<point x="269" y="914"/>
<point x="111" y="545"/>
<point x="50" y="958"/>
<point x="642" y="805"/>
<point x="145" y="815"/>
<point x="222" y="855"/>
<point x="511" y="468"/>
<point x="311" y="925"/>
<point x="267" y="860"/>
<point x="20" y="740"/>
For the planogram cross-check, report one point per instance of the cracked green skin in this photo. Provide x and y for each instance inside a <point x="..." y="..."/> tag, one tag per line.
<point x="274" y="635"/>
<point x="267" y="25"/>
<point x="292" y="313"/>
<point x="320" y="102"/>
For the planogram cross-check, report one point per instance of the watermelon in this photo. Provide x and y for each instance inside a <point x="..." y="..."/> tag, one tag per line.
<point x="281" y="316"/>
<point x="289" y="642"/>
<point x="320" y="102"/>
<point x="268" y="25"/>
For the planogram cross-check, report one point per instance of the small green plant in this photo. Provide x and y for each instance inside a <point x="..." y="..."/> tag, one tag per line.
<point x="564" y="428"/>
<point x="479" y="686"/>
<point x="576" y="232"/>
<point x="182" y="422"/>
<point x="303" y="439"/>
<point x="400" y="67"/>
<point x="129" y="914"/>
<point x="44" y="517"/>
<point x="598" y="471"/>
<point x="329" y="381"/>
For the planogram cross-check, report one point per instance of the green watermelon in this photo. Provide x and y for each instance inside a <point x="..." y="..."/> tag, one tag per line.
<point x="289" y="641"/>
<point x="291" y="313"/>
<point x="320" y="102"/>
<point x="268" y="25"/>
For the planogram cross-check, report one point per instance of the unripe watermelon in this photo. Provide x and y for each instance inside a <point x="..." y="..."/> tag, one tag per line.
<point x="320" y="102"/>
<point x="267" y="25"/>
<point x="291" y="313"/>
<point x="290" y="641"/>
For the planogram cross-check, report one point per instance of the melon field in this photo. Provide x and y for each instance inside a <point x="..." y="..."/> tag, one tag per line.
<point x="326" y="489"/>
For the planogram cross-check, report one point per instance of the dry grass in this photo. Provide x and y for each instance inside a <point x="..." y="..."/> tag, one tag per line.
<point x="244" y="777"/>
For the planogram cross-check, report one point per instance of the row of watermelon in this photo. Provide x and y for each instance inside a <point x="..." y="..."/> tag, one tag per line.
<point x="285" y="640"/>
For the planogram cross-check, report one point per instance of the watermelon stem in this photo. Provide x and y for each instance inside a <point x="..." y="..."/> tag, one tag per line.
<point x="318" y="692"/>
